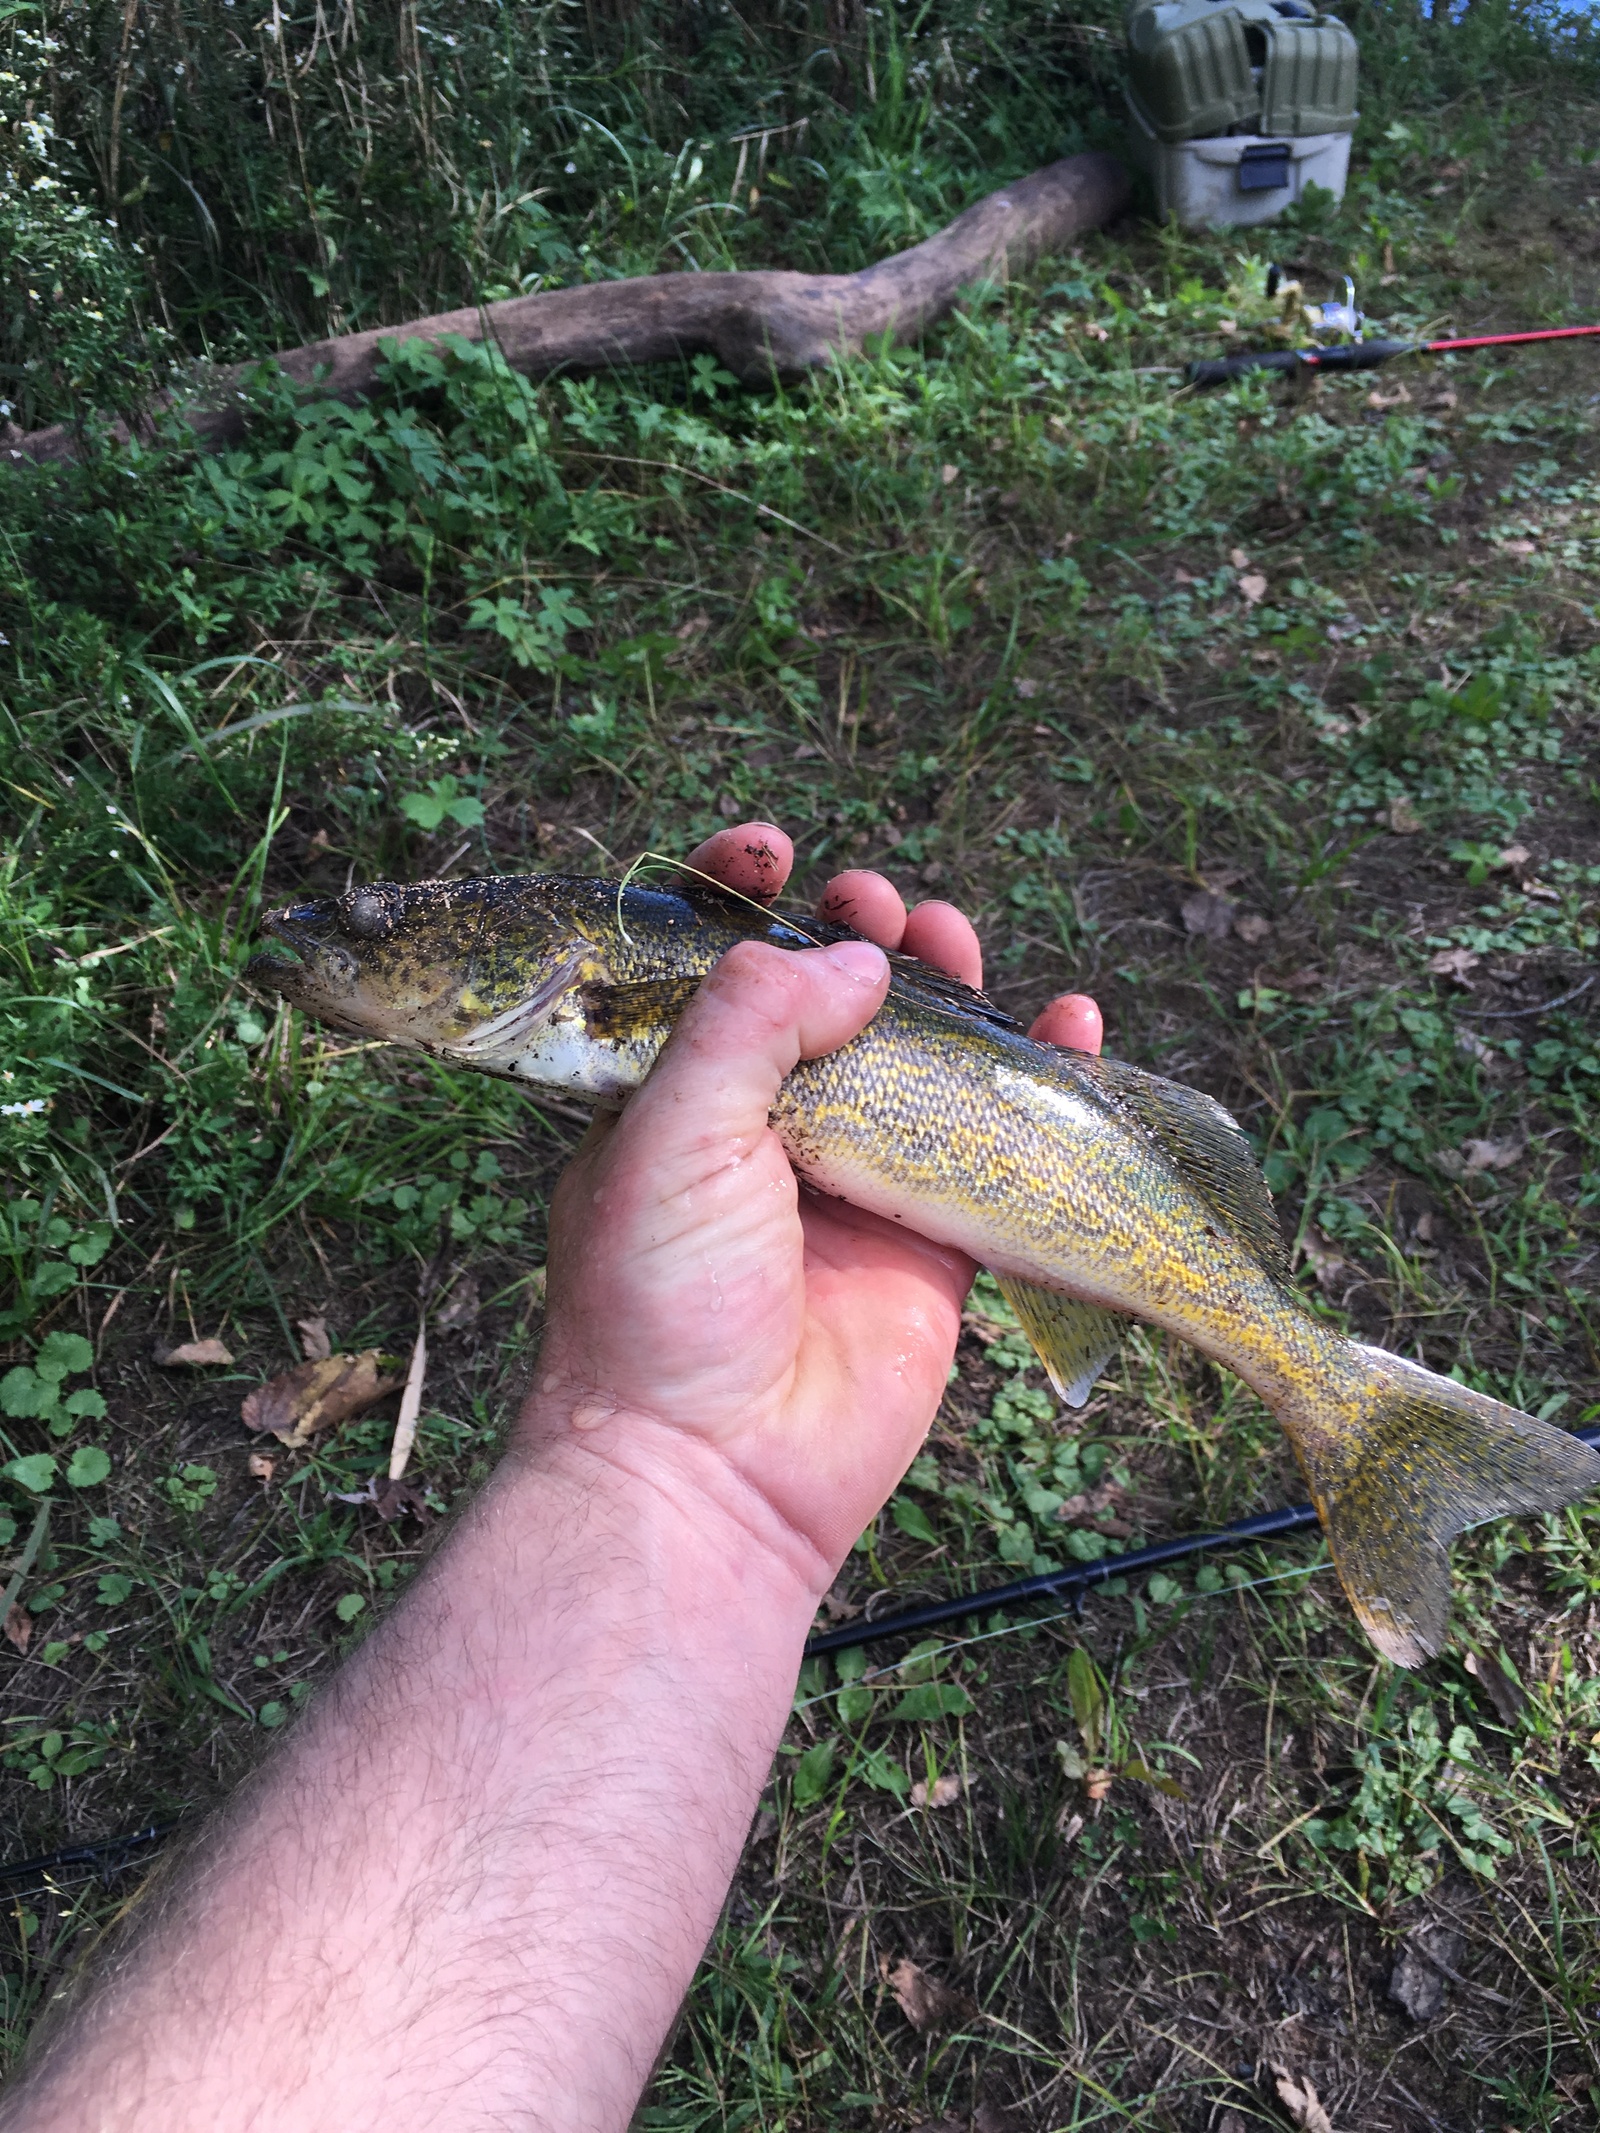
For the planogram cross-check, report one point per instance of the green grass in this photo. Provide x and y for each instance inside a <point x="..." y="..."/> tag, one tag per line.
<point x="983" y="613"/>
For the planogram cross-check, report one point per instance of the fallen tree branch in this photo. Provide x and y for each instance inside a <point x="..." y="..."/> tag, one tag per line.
<point x="758" y="325"/>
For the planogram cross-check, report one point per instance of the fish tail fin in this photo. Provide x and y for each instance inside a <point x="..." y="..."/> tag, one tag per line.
<point x="1406" y="1461"/>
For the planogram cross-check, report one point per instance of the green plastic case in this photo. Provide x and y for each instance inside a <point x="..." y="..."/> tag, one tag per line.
<point x="1273" y="67"/>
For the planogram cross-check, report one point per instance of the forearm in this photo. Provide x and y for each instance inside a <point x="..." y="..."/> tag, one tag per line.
<point x="478" y="1878"/>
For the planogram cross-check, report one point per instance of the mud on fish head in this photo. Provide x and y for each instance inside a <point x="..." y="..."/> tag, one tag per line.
<point x="473" y="968"/>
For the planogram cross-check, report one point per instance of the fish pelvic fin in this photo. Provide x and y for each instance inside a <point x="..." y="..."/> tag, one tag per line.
<point x="1203" y="1144"/>
<point x="1406" y="1462"/>
<point x="1073" y="1340"/>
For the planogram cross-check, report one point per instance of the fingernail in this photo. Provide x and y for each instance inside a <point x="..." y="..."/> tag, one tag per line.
<point x="860" y="961"/>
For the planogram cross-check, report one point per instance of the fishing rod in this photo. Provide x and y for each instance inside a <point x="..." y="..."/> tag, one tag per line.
<point x="1079" y="1579"/>
<point x="106" y="1854"/>
<point x="109" y="1854"/>
<point x="1353" y="352"/>
<point x="1368" y="355"/>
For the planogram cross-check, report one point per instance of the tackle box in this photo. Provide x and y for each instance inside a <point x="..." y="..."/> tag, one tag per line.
<point x="1238" y="105"/>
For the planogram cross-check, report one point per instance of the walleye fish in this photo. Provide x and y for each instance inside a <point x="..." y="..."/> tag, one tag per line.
<point x="1095" y="1193"/>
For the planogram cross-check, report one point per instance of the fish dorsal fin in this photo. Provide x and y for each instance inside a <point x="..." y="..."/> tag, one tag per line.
<point x="1073" y="1340"/>
<point x="921" y="982"/>
<point x="1204" y="1144"/>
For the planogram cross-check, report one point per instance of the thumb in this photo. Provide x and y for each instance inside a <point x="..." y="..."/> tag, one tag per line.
<point x="759" y="1011"/>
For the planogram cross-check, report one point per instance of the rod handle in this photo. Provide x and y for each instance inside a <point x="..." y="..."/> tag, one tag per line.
<point x="1346" y="355"/>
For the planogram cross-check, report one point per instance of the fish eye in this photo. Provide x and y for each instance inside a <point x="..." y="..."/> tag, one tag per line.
<point x="367" y="915"/>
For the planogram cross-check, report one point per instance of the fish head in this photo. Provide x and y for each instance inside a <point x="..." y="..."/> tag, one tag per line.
<point x="490" y="972"/>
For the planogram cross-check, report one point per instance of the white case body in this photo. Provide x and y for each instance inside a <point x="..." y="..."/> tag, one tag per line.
<point x="1198" y="181"/>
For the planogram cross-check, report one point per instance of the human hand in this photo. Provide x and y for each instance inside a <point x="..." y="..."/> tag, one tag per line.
<point x="697" y="1290"/>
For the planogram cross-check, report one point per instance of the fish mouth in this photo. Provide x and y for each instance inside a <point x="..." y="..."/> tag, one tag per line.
<point x="319" y="968"/>
<point x="351" y="961"/>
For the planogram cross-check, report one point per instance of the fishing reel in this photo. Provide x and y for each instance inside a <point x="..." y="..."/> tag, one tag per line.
<point x="1342" y="320"/>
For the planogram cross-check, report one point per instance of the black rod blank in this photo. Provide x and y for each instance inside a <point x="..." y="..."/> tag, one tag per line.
<point x="1079" y="1579"/>
<point x="110" y="1853"/>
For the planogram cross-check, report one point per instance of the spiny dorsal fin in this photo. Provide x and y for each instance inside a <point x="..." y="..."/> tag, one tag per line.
<point x="921" y="982"/>
<point x="1073" y="1340"/>
<point x="1204" y="1143"/>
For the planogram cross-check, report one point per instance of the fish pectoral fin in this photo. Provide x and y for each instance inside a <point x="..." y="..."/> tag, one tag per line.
<point x="1073" y="1340"/>
<point x="642" y="1007"/>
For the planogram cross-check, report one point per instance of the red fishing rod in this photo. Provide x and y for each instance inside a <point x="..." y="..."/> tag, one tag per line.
<point x="1368" y="355"/>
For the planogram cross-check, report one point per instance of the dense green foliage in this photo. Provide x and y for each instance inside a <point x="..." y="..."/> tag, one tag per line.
<point x="1015" y="617"/>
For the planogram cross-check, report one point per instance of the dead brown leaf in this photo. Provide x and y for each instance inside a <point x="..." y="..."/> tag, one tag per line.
<point x="459" y="1312"/>
<point x="1454" y="963"/>
<point x="1509" y="1697"/>
<point x="1324" y="1259"/>
<point x="1207" y="915"/>
<point x="925" y="2003"/>
<point x="194" y="1355"/>
<point x="943" y="1792"/>
<point x="315" y="1344"/>
<point x="1425" y="1958"/>
<point x="1468" y="1041"/>
<point x="1088" y="1503"/>
<point x="1491" y="1155"/>
<point x="298" y="1403"/>
<point x="19" y="1628"/>
<point x="1302" y="2103"/>
<point x="392" y="1499"/>
<point x="995" y="2118"/>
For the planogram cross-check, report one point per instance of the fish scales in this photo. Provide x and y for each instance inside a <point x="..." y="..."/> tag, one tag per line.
<point x="1095" y="1193"/>
<point x="1034" y="1179"/>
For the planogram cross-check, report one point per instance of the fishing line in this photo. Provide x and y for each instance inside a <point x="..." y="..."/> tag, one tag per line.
<point x="901" y="964"/>
<point x="682" y="866"/>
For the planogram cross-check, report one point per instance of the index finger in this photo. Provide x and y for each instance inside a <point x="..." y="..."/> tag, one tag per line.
<point x="754" y="858"/>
